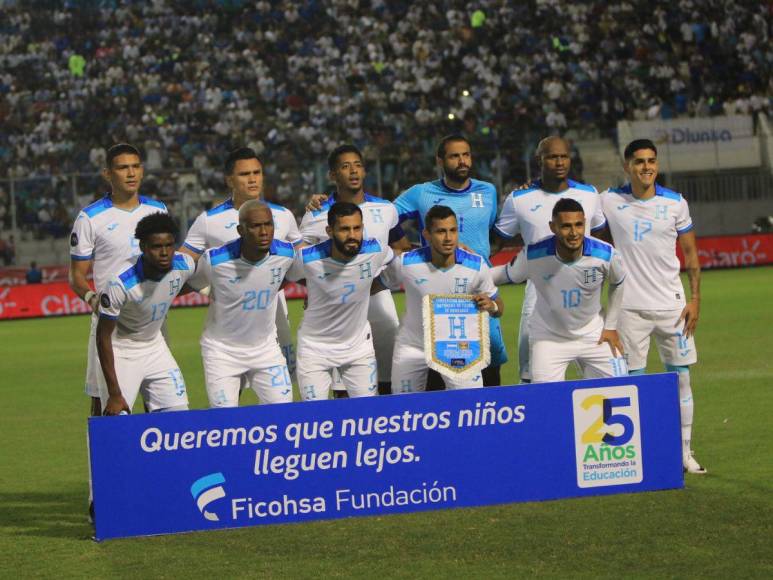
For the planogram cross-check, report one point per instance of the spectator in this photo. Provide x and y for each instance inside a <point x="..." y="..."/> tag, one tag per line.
<point x="296" y="79"/>
<point x="34" y="274"/>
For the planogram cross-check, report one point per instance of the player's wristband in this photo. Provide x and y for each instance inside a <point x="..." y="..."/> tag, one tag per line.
<point x="88" y="296"/>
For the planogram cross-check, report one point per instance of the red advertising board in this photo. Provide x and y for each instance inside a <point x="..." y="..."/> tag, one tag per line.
<point x="19" y="300"/>
<point x="714" y="252"/>
<point x="57" y="299"/>
<point x="733" y="251"/>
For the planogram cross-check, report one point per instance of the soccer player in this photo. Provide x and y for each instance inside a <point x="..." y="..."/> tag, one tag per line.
<point x="335" y="332"/>
<point x="239" y="340"/>
<point x="474" y="201"/>
<point x="132" y="308"/>
<point x="380" y="219"/>
<point x="217" y="226"/>
<point x="475" y="204"/>
<point x="568" y="270"/>
<point x="646" y="221"/>
<point x="439" y="268"/>
<point x="103" y="238"/>
<point x="526" y="213"/>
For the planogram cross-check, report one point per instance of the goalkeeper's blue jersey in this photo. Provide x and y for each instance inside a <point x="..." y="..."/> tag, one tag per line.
<point x="475" y="208"/>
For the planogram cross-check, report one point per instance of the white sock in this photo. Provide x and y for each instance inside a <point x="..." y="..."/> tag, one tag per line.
<point x="686" y="409"/>
<point x="88" y="464"/>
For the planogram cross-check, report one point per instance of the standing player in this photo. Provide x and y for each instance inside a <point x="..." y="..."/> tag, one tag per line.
<point x="335" y="332"/>
<point x="646" y="220"/>
<point x="239" y="340"/>
<point x="526" y="213"/>
<point x="103" y="238"/>
<point x="568" y="271"/>
<point x="475" y="204"/>
<point x="132" y="308"/>
<point x="440" y="268"/>
<point x="217" y="226"/>
<point x="381" y="223"/>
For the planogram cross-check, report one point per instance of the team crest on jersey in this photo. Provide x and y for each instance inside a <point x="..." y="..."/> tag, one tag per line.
<point x="74" y="239"/>
<point x="477" y="199"/>
<point x="105" y="300"/>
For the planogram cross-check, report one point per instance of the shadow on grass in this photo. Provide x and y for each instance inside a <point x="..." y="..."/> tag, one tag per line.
<point x="61" y="514"/>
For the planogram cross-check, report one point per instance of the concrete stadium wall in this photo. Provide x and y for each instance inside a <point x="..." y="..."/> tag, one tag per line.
<point x="731" y="217"/>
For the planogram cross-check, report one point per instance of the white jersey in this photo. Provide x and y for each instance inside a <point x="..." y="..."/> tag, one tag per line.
<point x="243" y="295"/>
<point x="568" y="294"/>
<point x="528" y="212"/>
<point x="379" y="218"/>
<point x="105" y="234"/>
<point x="469" y="275"/>
<point x="339" y="292"/>
<point x="645" y="233"/>
<point x="140" y="304"/>
<point x="217" y="226"/>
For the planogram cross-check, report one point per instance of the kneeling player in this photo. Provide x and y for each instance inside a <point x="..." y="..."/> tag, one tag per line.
<point x="568" y="271"/>
<point x="132" y="351"/>
<point x="239" y="343"/>
<point x="440" y="268"/>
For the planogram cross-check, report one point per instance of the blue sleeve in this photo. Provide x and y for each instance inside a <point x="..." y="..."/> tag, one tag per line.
<point x="407" y="204"/>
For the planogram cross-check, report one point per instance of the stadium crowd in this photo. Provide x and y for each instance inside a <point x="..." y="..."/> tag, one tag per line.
<point x="190" y="80"/>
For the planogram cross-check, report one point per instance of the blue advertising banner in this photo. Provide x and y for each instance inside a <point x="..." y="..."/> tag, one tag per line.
<point x="226" y="468"/>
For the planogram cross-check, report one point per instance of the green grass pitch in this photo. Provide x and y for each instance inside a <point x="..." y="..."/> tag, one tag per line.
<point x="719" y="525"/>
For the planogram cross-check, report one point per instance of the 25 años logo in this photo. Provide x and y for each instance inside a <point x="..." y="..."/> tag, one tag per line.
<point x="607" y="436"/>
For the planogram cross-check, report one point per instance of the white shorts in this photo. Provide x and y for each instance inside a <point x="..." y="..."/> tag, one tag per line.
<point x="284" y="334"/>
<point x="93" y="369"/>
<point x="355" y="362"/>
<point x="384" y="322"/>
<point x="147" y="368"/>
<point x="635" y="328"/>
<point x="529" y="302"/>
<point x="228" y="369"/>
<point x="550" y="358"/>
<point x="409" y="371"/>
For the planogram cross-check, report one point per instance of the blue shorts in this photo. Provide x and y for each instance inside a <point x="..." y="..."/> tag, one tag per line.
<point x="496" y="343"/>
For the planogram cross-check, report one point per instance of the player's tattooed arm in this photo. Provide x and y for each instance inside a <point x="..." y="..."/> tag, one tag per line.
<point x="693" y="266"/>
<point x="494" y="307"/>
<point x="79" y="270"/>
<point x="115" y="402"/>
<point x="316" y="201"/>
